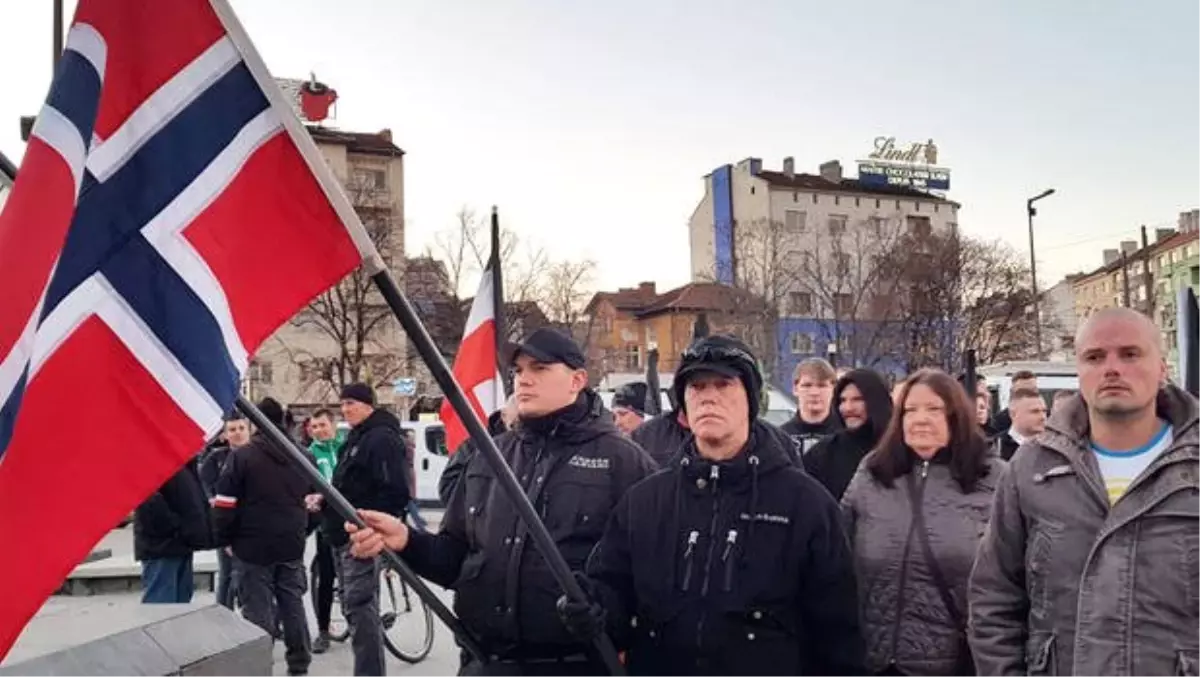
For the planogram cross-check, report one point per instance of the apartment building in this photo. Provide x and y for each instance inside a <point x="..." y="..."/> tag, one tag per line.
<point x="807" y="242"/>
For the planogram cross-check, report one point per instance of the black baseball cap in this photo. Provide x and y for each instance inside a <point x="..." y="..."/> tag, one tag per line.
<point x="548" y="346"/>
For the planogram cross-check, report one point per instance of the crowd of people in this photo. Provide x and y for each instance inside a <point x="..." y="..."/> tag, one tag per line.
<point x="888" y="529"/>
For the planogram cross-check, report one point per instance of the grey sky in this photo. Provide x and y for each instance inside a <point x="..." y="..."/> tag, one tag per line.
<point x="591" y="124"/>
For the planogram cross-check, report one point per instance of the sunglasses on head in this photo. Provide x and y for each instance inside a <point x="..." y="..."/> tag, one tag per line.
<point x="713" y="353"/>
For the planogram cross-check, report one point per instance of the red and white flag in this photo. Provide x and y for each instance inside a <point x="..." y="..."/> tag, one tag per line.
<point x="476" y="366"/>
<point x="171" y="212"/>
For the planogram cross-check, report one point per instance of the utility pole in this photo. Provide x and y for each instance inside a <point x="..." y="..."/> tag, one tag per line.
<point x="1147" y="280"/>
<point x="1037" y="310"/>
<point x="1125" y="278"/>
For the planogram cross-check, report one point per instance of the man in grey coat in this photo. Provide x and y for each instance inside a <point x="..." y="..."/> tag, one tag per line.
<point x="1089" y="565"/>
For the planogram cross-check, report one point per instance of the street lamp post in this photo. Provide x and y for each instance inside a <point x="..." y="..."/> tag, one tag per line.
<point x="831" y="351"/>
<point x="1037" y="313"/>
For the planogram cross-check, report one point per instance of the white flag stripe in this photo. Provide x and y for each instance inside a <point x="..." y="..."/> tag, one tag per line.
<point x="482" y="307"/>
<point x="86" y="41"/>
<point x="161" y="107"/>
<point x="164" y="231"/>
<point x="13" y="364"/>
<point x="56" y="131"/>
<point x="158" y="361"/>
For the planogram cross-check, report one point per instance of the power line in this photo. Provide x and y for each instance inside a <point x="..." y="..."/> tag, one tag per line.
<point x="1108" y="236"/>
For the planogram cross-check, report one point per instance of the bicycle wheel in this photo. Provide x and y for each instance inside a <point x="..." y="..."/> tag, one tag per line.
<point x="407" y="622"/>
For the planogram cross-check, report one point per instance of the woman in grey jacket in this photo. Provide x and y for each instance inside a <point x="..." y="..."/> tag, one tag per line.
<point x="915" y="512"/>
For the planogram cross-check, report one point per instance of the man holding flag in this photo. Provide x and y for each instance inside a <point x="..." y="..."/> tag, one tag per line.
<point x="163" y="161"/>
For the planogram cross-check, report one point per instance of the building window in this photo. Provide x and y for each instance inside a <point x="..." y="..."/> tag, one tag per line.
<point x="935" y="208"/>
<point x="897" y="205"/>
<point x="875" y="223"/>
<point x="800" y="343"/>
<point x="837" y="224"/>
<point x="799" y="303"/>
<point x="370" y="178"/>
<point x="795" y="221"/>
<point x="261" y="372"/>
<point x="856" y="202"/>
<point x="843" y="305"/>
<point x="842" y="263"/>
<point x="877" y="203"/>
<point x="814" y="195"/>
<point x="795" y="196"/>
<point x="837" y="199"/>
<point x="1195" y="276"/>
<point x="651" y="337"/>
<point x="917" y="206"/>
<point x="919" y="226"/>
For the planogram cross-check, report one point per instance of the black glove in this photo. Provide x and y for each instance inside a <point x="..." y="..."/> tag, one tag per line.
<point x="584" y="620"/>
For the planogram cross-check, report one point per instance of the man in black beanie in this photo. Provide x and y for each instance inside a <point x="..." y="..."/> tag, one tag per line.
<point x="259" y="511"/>
<point x="732" y="561"/>
<point x="629" y="407"/>
<point x="372" y="473"/>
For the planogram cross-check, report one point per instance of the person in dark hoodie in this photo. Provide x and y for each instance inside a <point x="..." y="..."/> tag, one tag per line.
<point x="372" y="472"/>
<point x="168" y="527"/>
<point x="864" y="408"/>
<point x="663" y="436"/>
<point x="259" y="511"/>
<point x="732" y="561"/>
<point x="574" y="465"/>
<point x="812" y="384"/>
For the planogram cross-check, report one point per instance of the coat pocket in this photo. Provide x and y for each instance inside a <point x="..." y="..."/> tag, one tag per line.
<point x="761" y="642"/>
<point x="1043" y="655"/>
<point x="1037" y="562"/>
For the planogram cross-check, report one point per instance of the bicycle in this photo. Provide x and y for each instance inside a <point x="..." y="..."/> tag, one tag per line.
<point x="407" y="625"/>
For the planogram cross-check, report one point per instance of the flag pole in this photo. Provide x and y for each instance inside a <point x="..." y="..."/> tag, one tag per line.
<point x="453" y="392"/>
<point x="347" y="512"/>
<point x="373" y="265"/>
<point x="498" y="301"/>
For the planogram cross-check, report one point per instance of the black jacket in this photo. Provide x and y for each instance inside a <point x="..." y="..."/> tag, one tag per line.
<point x="173" y="521"/>
<point x="1004" y="445"/>
<point x="739" y="567"/>
<point x="662" y="437"/>
<point x="834" y="460"/>
<point x="806" y="435"/>
<point x="575" y="465"/>
<point x="259" y="505"/>
<point x="453" y="472"/>
<point x="212" y="462"/>
<point x="372" y="472"/>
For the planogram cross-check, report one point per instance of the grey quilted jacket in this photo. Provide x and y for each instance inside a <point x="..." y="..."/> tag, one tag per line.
<point x="1065" y="584"/>
<point x="905" y="621"/>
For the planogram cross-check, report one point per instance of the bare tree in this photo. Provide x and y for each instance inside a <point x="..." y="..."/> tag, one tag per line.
<point x="352" y="316"/>
<point x="847" y="287"/>
<point x="959" y="293"/>
<point x="565" y="290"/>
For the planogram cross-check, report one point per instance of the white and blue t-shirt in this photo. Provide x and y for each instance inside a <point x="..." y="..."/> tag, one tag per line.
<point x="1120" y="468"/>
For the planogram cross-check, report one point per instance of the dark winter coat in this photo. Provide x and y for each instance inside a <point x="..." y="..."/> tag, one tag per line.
<point x="739" y="567"/>
<point x="905" y="621"/>
<point x="662" y="437"/>
<point x="453" y="472"/>
<point x="574" y="465"/>
<point x="372" y="472"/>
<point x="1005" y="446"/>
<point x="174" y="521"/>
<point x="807" y="435"/>
<point x="834" y="460"/>
<point x="259" y="506"/>
<point x="212" y="462"/>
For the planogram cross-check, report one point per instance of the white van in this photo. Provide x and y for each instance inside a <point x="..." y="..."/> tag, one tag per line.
<point x="1051" y="376"/>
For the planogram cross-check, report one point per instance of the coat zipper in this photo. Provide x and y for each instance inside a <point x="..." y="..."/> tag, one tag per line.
<point x="730" y="541"/>
<point x="693" y="537"/>
<point x="714" y="475"/>
<point x="919" y="496"/>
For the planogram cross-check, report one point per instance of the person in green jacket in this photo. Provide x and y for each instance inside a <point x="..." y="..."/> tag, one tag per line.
<point x="327" y="441"/>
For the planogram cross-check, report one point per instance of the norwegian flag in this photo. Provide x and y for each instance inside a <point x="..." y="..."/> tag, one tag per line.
<point x="476" y="366"/>
<point x="170" y="213"/>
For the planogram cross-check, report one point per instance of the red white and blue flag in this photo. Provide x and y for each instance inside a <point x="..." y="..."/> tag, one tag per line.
<point x="169" y="215"/>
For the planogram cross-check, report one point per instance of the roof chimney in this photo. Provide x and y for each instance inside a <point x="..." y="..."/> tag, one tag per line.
<point x="832" y="171"/>
<point x="386" y="135"/>
<point x="789" y="167"/>
<point x="1129" y="246"/>
<point x="1161" y="234"/>
<point x="1188" y="221"/>
<point x="647" y="289"/>
<point x="1111" y="256"/>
